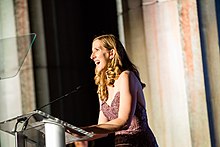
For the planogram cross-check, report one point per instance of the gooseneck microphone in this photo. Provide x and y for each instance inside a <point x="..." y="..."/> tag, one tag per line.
<point x="26" y="119"/>
<point x="59" y="98"/>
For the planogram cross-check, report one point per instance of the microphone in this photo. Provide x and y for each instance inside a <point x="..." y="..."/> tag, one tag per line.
<point x="59" y="98"/>
<point x="26" y="119"/>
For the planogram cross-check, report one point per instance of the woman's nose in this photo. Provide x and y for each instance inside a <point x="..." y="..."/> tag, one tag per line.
<point x="92" y="56"/>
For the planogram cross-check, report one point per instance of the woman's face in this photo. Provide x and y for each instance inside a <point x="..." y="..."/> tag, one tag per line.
<point x="100" y="55"/>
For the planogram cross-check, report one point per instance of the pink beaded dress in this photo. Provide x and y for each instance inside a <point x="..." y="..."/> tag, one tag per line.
<point x="138" y="134"/>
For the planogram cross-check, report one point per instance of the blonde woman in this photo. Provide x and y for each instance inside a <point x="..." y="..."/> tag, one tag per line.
<point x="120" y="91"/>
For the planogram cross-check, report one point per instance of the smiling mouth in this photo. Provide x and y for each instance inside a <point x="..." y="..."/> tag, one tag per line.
<point x="97" y="62"/>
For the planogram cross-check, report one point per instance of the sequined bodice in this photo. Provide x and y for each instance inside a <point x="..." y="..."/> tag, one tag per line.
<point x="139" y="120"/>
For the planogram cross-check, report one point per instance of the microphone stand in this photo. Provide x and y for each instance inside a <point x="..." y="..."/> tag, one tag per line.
<point x="25" y="122"/>
<point x="59" y="98"/>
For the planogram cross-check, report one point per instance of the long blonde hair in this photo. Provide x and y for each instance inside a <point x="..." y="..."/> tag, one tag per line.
<point x="115" y="67"/>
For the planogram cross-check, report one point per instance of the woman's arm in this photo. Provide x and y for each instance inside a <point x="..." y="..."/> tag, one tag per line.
<point x="127" y="88"/>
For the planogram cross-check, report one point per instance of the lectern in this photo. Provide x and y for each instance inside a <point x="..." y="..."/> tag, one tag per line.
<point x="39" y="129"/>
<point x="35" y="129"/>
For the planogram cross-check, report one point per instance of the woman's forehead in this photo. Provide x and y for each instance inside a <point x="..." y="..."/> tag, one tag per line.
<point x="97" y="44"/>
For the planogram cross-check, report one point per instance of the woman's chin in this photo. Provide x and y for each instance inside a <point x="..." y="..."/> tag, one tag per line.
<point x="98" y="69"/>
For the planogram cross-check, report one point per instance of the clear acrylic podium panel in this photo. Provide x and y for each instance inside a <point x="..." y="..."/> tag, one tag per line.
<point x="13" y="51"/>
<point x="34" y="131"/>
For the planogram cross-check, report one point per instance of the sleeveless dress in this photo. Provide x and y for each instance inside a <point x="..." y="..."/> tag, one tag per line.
<point x="138" y="134"/>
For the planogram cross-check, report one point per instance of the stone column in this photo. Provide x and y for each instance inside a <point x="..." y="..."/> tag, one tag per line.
<point x="209" y="33"/>
<point x="39" y="56"/>
<point x="26" y="73"/>
<point x="162" y="38"/>
<point x="10" y="89"/>
<point x="176" y="72"/>
<point x="194" y="73"/>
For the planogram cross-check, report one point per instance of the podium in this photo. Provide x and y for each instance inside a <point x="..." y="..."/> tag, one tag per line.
<point x="39" y="129"/>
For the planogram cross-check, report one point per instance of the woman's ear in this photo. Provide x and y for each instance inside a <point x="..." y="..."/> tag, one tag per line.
<point x="112" y="53"/>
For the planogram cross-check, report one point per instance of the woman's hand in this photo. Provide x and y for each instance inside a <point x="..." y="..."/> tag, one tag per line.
<point x="81" y="144"/>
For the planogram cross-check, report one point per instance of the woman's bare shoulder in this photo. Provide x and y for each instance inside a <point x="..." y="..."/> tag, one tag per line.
<point x="127" y="74"/>
<point x="127" y="77"/>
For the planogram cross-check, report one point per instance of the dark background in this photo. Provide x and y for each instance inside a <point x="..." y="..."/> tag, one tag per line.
<point x="70" y="26"/>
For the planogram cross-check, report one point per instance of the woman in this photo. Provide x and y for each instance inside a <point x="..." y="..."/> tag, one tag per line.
<point x="120" y="90"/>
